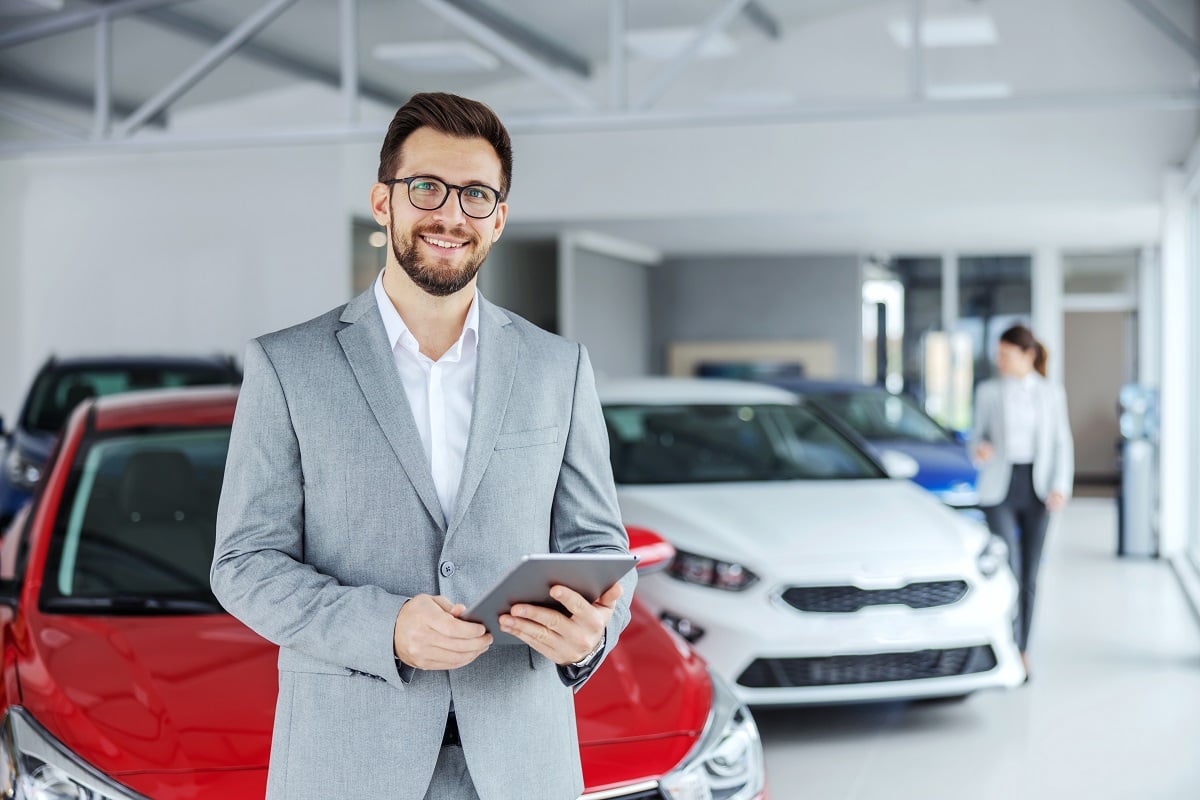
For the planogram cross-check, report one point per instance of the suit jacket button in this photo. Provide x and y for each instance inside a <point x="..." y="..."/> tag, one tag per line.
<point x="447" y="569"/>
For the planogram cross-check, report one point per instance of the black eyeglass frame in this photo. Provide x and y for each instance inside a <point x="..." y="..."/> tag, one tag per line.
<point x="408" y="182"/>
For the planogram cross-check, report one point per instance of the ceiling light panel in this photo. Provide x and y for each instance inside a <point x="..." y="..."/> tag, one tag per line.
<point x="664" y="44"/>
<point x="976" y="30"/>
<point x="457" y="55"/>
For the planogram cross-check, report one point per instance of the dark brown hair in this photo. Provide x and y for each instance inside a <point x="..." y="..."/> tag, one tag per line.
<point x="1022" y="337"/>
<point x="449" y="114"/>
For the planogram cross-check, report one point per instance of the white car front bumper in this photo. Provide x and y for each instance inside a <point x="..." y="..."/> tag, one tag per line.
<point x="774" y="654"/>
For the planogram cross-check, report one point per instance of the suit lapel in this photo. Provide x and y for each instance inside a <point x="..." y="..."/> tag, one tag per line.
<point x="365" y="344"/>
<point x="494" y="373"/>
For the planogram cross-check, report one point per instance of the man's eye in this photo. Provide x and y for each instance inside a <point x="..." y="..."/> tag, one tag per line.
<point x="424" y="186"/>
<point x="478" y="193"/>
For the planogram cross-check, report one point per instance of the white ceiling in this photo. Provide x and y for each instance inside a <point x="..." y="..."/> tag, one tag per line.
<point x="1076" y="87"/>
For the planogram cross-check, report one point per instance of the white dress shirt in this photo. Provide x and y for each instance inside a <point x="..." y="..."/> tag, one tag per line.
<point x="440" y="393"/>
<point x="1020" y="419"/>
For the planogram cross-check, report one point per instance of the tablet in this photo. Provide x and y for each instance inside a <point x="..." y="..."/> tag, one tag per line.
<point x="530" y="579"/>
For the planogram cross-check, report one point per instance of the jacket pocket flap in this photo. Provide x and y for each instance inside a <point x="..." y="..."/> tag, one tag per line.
<point x="509" y="441"/>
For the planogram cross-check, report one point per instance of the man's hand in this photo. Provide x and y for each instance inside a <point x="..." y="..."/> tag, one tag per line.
<point x="430" y="635"/>
<point x="1056" y="501"/>
<point x="983" y="452"/>
<point x="563" y="638"/>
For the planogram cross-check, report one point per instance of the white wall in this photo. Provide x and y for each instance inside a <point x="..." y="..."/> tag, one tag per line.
<point x="170" y="252"/>
<point x="605" y="304"/>
<point x="12" y="267"/>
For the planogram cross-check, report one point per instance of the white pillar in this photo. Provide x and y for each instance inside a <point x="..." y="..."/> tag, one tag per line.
<point x="1048" y="305"/>
<point x="1178" y="360"/>
<point x="1149" y="326"/>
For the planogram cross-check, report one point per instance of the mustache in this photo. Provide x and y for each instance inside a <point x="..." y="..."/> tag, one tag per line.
<point x="438" y="229"/>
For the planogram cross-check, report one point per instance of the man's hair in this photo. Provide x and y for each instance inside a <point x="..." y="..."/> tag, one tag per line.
<point x="449" y="114"/>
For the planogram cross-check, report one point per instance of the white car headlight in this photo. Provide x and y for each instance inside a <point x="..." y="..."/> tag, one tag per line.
<point x="705" y="571"/>
<point x="993" y="557"/>
<point x="727" y="762"/>
<point x="36" y="766"/>
<point x="23" y="472"/>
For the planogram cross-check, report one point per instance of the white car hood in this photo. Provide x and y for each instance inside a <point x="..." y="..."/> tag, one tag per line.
<point x="793" y="529"/>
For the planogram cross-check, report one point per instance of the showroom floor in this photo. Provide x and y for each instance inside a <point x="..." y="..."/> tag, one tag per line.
<point x="1112" y="710"/>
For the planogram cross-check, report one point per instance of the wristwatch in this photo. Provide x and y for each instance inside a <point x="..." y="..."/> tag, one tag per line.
<point x="590" y="657"/>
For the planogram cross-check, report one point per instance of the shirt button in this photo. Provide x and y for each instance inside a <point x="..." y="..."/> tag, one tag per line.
<point x="447" y="569"/>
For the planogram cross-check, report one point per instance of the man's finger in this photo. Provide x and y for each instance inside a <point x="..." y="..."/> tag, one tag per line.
<point x="610" y="597"/>
<point x="546" y="617"/>
<point x="572" y="600"/>
<point x="455" y="628"/>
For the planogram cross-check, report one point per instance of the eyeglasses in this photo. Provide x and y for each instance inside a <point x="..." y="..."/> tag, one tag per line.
<point x="428" y="193"/>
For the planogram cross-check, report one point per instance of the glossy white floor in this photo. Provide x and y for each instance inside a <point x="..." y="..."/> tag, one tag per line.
<point x="1112" y="710"/>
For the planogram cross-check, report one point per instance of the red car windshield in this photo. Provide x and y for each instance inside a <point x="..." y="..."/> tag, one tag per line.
<point x="136" y="527"/>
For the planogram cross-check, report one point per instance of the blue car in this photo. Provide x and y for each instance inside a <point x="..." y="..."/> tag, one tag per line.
<point x="61" y="384"/>
<point x="890" y="422"/>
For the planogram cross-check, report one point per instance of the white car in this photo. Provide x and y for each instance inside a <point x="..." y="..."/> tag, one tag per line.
<point x="804" y="574"/>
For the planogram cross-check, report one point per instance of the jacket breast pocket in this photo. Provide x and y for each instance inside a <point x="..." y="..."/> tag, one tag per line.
<point x="530" y="438"/>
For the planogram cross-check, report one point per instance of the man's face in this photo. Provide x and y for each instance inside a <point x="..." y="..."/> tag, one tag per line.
<point x="440" y="250"/>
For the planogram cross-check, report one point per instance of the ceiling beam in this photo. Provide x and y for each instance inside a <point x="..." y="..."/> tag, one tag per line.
<point x="76" y="20"/>
<point x="1166" y="27"/>
<point x="536" y="63"/>
<point x="206" y="64"/>
<point x="271" y="56"/>
<point x="762" y="19"/>
<point x="43" y="88"/>
<point x="531" y="41"/>
<point x="714" y="24"/>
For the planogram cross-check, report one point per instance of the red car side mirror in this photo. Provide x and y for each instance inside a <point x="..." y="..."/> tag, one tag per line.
<point x="653" y="552"/>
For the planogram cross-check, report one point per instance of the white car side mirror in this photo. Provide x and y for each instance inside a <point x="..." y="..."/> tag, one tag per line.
<point x="899" y="465"/>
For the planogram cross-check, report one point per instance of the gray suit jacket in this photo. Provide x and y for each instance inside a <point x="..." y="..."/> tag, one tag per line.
<point x="329" y="522"/>
<point x="1054" y="450"/>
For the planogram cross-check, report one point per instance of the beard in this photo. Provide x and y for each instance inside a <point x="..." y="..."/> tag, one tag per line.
<point x="439" y="280"/>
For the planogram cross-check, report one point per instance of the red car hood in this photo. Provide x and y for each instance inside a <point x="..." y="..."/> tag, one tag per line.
<point x="153" y="701"/>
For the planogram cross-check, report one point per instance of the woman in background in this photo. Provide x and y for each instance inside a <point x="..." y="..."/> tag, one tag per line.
<point x="1021" y="442"/>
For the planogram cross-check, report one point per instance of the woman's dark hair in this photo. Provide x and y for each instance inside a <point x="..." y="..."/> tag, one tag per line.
<point x="1023" y="338"/>
<point x="449" y="114"/>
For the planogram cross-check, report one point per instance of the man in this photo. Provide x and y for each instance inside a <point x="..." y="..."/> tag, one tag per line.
<point x="389" y="461"/>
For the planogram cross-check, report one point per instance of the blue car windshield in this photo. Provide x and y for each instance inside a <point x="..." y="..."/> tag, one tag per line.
<point x="136" y="526"/>
<point x="668" y="444"/>
<point x="878" y="415"/>
<point x="56" y="392"/>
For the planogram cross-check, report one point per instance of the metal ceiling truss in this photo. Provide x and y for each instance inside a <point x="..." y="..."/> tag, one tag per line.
<point x="555" y="66"/>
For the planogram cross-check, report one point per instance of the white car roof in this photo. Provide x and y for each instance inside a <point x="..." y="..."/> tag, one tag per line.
<point x="694" y="391"/>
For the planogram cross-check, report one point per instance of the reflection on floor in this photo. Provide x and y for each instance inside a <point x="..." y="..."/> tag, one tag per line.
<point x="1112" y="710"/>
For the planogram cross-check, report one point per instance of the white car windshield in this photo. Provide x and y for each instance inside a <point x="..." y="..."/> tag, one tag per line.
<point x="657" y="444"/>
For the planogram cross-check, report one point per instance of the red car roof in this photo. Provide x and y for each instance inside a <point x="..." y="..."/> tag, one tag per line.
<point x="193" y="406"/>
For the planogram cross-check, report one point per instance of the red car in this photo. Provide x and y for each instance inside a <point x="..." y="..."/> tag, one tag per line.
<point x="123" y="678"/>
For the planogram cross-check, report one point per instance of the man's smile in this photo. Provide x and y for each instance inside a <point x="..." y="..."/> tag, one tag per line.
<point x="443" y="244"/>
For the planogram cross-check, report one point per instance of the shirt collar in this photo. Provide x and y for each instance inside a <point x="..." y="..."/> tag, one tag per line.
<point x="399" y="334"/>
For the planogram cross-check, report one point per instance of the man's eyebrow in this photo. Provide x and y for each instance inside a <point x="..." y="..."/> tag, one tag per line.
<point x="471" y="182"/>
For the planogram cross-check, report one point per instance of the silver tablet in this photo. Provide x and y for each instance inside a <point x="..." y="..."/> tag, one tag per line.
<point x="530" y="579"/>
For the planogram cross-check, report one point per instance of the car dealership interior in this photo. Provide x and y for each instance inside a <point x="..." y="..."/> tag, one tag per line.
<point x="793" y="236"/>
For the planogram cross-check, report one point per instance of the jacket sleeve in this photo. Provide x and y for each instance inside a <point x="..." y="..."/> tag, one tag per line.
<point x="1063" y="478"/>
<point x="258" y="570"/>
<point x="585" y="517"/>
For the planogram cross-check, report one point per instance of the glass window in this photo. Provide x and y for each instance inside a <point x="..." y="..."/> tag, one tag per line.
<point x="994" y="293"/>
<point x="656" y="444"/>
<point x="56" y="392"/>
<point x="137" y="525"/>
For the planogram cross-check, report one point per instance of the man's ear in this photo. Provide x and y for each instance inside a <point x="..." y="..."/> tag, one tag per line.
<point x="501" y="218"/>
<point x="381" y="203"/>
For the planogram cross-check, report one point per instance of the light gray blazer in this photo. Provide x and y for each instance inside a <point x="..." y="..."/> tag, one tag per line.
<point x="1054" y="450"/>
<point x="329" y="522"/>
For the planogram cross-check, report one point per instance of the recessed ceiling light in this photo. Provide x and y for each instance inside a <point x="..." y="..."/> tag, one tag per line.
<point x="19" y="7"/>
<point x="663" y="44"/>
<point x="962" y="31"/>
<point x="457" y="55"/>
<point x="968" y="91"/>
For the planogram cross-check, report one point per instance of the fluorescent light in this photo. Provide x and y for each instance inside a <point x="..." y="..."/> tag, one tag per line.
<point x="457" y="55"/>
<point x="753" y="99"/>
<point x="18" y="7"/>
<point x="968" y="91"/>
<point x="663" y="44"/>
<point x="964" y="31"/>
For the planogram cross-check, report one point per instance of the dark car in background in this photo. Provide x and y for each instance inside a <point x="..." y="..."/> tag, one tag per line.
<point x="63" y="383"/>
<point x="897" y="424"/>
